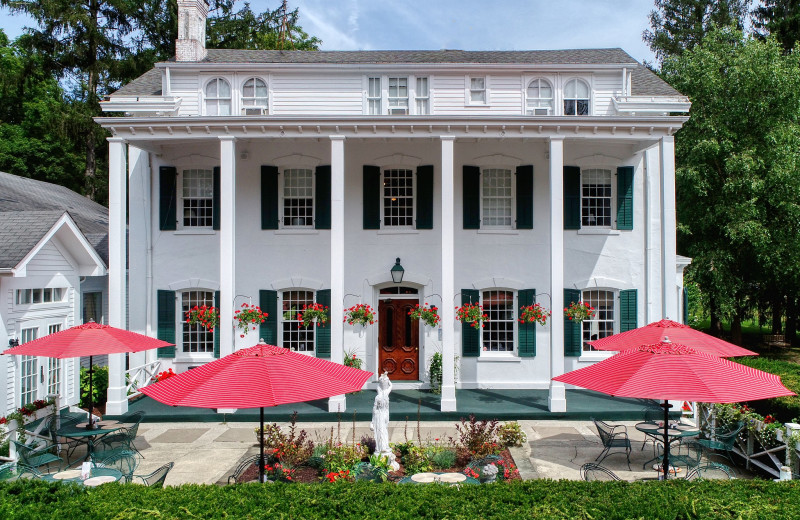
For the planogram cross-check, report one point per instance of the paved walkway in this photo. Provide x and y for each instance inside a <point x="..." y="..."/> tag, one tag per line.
<point x="206" y="452"/>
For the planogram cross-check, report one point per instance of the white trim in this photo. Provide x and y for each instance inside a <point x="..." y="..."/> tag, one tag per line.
<point x="468" y="90"/>
<point x="267" y="83"/>
<point x="497" y="160"/>
<point x="297" y="160"/>
<point x="299" y="283"/>
<point x="499" y="283"/>
<point x="193" y="284"/>
<point x="397" y="160"/>
<point x="603" y="231"/>
<point x="600" y="282"/>
<point x="589" y="85"/>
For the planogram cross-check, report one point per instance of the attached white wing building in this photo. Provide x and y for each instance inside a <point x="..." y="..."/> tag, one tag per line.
<point x="282" y="178"/>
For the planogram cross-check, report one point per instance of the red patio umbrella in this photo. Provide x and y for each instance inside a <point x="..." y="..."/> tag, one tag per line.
<point x="668" y="330"/>
<point x="89" y="339"/>
<point x="669" y="371"/>
<point x="264" y="375"/>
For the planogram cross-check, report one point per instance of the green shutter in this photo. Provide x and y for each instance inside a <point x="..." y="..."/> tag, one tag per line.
<point x="471" y="196"/>
<point x="372" y="197"/>
<point x="323" y="334"/>
<point x="268" y="331"/>
<point x="168" y="198"/>
<point x="685" y="306"/>
<point x="625" y="198"/>
<point x="425" y="197"/>
<point x="470" y="336"/>
<point x="322" y="198"/>
<point x="572" y="197"/>
<point x="527" y="331"/>
<point x="269" y="197"/>
<point x="218" y="305"/>
<point x="627" y="310"/>
<point x="166" y="322"/>
<point x="573" y="331"/>
<point x="215" y="199"/>
<point x="525" y="197"/>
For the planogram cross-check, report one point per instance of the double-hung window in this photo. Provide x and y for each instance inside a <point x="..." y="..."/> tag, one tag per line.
<point x="293" y="335"/>
<point x="398" y="95"/>
<point x="196" y="338"/>
<point x="477" y="90"/>
<point x="198" y="198"/>
<point x="255" y="97"/>
<point x="398" y="198"/>
<point x="422" y="97"/>
<point x="497" y="198"/>
<point x="576" y="98"/>
<point x="596" y="196"/>
<point x="218" y="97"/>
<point x="298" y="197"/>
<point x="374" y="95"/>
<point x="498" y="330"/>
<point x="539" y="98"/>
<point x="53" y="366"/>
<point x="601" y="324"/>
<point x="28" y="369"/>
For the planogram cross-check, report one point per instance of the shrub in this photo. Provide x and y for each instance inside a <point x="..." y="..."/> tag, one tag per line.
<point x="99" y="386"/>
<point x="477" y="438"/>
<point x="784" y="409"/>
<point x="441" y="457"/>
<point x="511" y="434"/>
<point x="369" y="443"/>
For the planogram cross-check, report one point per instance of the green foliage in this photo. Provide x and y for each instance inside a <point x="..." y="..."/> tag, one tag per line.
<point x="779" y="18"/>
<point x="747" y="499"/>
<point x="435" y="372"/>
<point x="784" y="409"/>
<point x="511" y="434"/>
<point x="441" y="457"/>
<point x="477" y="439"/>
<point x="415" y="460"/>
<point x="99" y="386"/>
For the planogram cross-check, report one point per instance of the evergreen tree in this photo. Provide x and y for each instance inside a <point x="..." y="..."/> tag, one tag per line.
<point x="780" y="18"/>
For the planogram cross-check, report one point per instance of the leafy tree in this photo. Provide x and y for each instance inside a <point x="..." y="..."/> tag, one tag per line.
<point x="679" y="25"/>
<point x="780" y="18"/>
<point x="737" y="178"/>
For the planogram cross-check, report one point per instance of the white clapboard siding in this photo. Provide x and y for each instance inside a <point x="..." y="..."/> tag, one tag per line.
<point x="69" y="373"/>
<point x="186" y="87"/>
<point x="504" y="91"/>
<point x="48" y="261"/>
<point x="296" y="94"/>
<point x="448" y="94"/>
<point x="606" y="86"/>
<point x="10" y="382"/>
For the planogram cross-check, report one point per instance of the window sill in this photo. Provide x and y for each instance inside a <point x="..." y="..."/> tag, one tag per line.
<point x="195" y="232"/>
<point x="591" y="357"/>
<point x="598" y="231"/>
<point x="498" y="232"/>
<point x="508" y="358"/>
<point x="298" y="231"/>
<point x="203" y="357"/>
<point x="398" y="231"/>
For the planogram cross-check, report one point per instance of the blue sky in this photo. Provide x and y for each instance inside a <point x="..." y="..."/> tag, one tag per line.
<point x="461" y="24"/>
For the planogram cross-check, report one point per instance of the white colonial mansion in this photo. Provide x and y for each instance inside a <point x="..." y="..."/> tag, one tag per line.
<point x="282" y="178"/>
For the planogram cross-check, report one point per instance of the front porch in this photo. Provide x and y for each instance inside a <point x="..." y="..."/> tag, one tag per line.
<point x="405" y="404"/>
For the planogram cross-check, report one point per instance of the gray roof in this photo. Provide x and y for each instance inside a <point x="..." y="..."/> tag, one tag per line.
<point x="27" y="205"/>
<point x="644" y="82"/>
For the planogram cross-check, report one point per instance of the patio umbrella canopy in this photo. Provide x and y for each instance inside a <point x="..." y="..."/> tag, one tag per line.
<point x="89" y="339"/>
<point x="670" y="371"/>
<point x="668" y="330"/>
<point x="264" y="375"/>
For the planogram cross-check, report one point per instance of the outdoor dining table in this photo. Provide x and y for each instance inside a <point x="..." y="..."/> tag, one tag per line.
<point x="675" y="432"/>
<point x="97" y="476"/>
<point x="81" y="433"/>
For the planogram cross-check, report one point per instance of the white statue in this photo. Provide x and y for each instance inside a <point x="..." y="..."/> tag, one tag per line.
<point x="380" y="421"/>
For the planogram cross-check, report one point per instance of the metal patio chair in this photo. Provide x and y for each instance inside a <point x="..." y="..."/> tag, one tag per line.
<point x="241" y="468"/>
<point x="591" y="472"/>
<point x="123" y="461"/>
<point x="613" y="436"/>
<point x="35" y="456"/>
<point x="723" y="439"/>
<point x="156" y="478"/>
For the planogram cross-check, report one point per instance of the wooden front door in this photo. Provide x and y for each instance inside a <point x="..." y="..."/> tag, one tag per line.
<point x="398" y="340"/>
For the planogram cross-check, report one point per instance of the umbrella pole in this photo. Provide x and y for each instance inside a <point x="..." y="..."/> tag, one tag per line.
<point x="665" y="468"/>
<point x="261" y="461"/>
<point x="91" y="394"/>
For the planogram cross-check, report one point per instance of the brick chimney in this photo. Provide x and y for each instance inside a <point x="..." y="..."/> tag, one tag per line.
<point x="191" y="42"/>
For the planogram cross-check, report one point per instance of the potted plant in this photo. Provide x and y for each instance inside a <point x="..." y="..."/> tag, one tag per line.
<point x="428" y="315"/>
<point x="578" y="311"/>
<point x="314" y="313"/>
<point x="248" y="315"/>
<point x="471" y="313"/>
<point x="351" y="360"/>
<point x="360" y="314"/>
<point x="204" y="315"/>
<point x="533" y="314"/>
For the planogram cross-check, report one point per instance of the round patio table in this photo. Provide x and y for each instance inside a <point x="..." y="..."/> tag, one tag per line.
<point x="97" y="476"/>
<point x="675" y="432"/>
<point x="82" y="433"/>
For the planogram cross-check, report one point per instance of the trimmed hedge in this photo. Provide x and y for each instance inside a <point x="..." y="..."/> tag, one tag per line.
<point x="784" y="409"/>
<point x="531" y="499"/>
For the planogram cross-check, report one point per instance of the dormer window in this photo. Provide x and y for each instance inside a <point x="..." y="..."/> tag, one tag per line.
<point x="218" y="97"/>
<point x="576" y="98"/>
<point x="255" y="97"/>
<point x="539" y="98"/>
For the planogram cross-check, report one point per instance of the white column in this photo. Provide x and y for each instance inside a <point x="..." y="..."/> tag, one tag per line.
<point x="652" y="188"/>
<point x="668" y="229"/>
<point x="227" y="244"/>
<point x="558" y="395"/>
<point x="117" y="401"/>
<point x="448" y="402"/>
<point x="138" y="234"/>
<point x="337" y="403"/>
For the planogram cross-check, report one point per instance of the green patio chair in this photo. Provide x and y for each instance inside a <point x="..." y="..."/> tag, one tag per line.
<point x="236" y="476"/>
<point x="686" y="454"/>
<point x="591" y="472"/>
<point x="613" y="436"/>
<point x="123" y="461"/>
<point x="8" y="470"/>
<point x="711" y="471"/>
<point x="156" y="478"/>
<point x="35" y="456"/>
<point x="70" y="443"/>
<point x="14" y="471"/>
<point x="723" y="439"/>
<point x="124" y="438"/>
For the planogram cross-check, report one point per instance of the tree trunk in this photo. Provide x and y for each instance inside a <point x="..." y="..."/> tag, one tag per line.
<point x="791" y="320"/>
<point x="716" y="323"/>
<point x="736" y="329"/>
<point x="90" y="180"/>
<point x="777" y="312"/>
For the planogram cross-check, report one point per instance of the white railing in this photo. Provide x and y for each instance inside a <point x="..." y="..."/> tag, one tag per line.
<point x="140" y="376"/>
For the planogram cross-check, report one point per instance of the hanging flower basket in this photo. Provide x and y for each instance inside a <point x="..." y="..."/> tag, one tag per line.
<point x="314" y="313"/>
<point x="352" y="360"/>
<point x="533" y="314"/>
<point x="428" y="315"/>
<point x="203" y="315"/>
<point x="248" y="316"/>
<point x="578" y="311"/>
<point x="471" y="313"/>
<point x="361" y="314"/>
